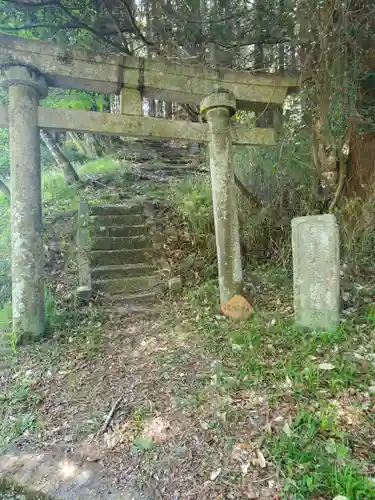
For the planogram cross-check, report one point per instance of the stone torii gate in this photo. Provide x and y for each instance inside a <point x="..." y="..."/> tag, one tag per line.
<point x="29" y="67"/>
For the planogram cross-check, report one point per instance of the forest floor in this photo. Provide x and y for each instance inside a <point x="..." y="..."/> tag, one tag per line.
<point x="209" y="408"/>
<point x="203" y="408"/>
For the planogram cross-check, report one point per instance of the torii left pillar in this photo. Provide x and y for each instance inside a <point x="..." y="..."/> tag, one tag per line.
<point x="26" y="87"/>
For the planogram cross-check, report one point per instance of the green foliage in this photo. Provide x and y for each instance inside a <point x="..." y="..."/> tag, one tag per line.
<point x="4" y="153"/>
<point x="18" y="400"/>
<point x="57" y="193"/>
<point x="75" y="99"/>
<point x="143" y="444"/>
<point x="104" y="165"/>
<point x="193" y="201"/>
<point x="192" y="225"/>
<point x="10" y="490"/>
<point x="315" y="455"/>
<point x="5" y="281"/>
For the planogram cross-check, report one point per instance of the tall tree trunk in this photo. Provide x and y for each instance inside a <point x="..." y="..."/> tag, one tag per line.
<point x="4" y="188"/>
<point x="62" y="161"/>
<point x="150" y="13"/>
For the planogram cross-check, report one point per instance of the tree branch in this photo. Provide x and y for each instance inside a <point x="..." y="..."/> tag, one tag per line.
<point x="121" y="34"/>
<point x="92" y="30"/>
<point x="137" y="31"/>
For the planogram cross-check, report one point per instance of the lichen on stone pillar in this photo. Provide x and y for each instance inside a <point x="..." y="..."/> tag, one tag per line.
<point x="131" y="102"/>
<point x="217" y="109"/>
<point x="26" y="87"/>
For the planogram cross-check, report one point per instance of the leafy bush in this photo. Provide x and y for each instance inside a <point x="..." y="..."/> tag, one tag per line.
<point x="192" y="244"/>
<point x="282" y="185"/>
<point x="5" y="281"/>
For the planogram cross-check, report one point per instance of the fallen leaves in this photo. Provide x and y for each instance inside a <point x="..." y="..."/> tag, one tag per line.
<point x="261" y="460"/>
<point x="248" y="454"/>
<point x="287" y="430"/>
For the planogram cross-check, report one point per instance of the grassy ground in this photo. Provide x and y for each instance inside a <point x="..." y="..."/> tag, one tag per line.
<point x="210" y="408"/>
<point x="10" y="491"/>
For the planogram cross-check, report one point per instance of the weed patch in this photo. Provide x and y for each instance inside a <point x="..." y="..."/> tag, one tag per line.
<point x="321" y="378"/>
<point x="316" y="459"/>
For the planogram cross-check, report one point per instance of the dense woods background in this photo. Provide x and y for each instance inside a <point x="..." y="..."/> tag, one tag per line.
<point x="328" y="127"/>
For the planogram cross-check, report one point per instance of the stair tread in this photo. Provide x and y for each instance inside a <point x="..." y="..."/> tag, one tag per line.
<point x="148" y="249"/>
<point x="122" y="226"/>
<point x="132" y="296"/>
<point x="126" y="279"/>
<point x="120" y="267"/>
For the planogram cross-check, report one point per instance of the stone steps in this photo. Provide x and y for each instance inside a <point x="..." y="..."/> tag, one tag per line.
<point x="127" y="285"/>
<point x="121" y="257"/>
<point x="120" y="242"/>
<point x="122" y="271"/>
<point x="115" y="209"/>
<point x="122" y="254"/>
<point x="119" y="231"/>
<point x="115" y="220"/>
<point x="135" y="303"/>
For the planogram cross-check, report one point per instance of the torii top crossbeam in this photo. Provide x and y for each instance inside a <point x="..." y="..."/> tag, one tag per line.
<point x="158" y="78"/>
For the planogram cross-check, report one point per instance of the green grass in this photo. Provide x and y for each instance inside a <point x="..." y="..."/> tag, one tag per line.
<point x="315" y="458"/>
<point x="60" y="196"/>
<point x="104" y="165"/>
<point x="57" y="194"/>
<point x="10" y="490"/>
<point x="18" y="408"/>
<point x="307" y="371"/>
<point x="273" y="352"/>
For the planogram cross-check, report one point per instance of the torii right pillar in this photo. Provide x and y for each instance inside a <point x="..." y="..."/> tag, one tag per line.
<point x="217" y="109"/>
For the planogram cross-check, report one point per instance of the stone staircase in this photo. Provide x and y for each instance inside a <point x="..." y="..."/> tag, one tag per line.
<point x="127" y="273"/>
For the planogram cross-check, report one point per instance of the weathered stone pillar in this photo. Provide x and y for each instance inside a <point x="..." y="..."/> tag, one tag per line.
<point x="26" y="86"/>
<point x="217" y="109"/>
<point x="316" y="271"/>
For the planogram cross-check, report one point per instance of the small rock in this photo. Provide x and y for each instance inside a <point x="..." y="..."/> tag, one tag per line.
<point x="326" y="366"/>
<point x="340" y="497"/>
<point x="215" y="474"/>
<point x="238" y="308"/>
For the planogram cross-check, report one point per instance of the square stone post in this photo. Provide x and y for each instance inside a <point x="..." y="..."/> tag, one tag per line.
<point x="217" y="109"/>
<point x="130" y="102"/>
<point x="25" y="87"/>
<point x="316" y="271"/>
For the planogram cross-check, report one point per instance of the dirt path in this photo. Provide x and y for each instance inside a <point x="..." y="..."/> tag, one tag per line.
<point x="176" y="430"/>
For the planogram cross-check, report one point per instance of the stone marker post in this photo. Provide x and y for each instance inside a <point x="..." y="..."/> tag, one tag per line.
<point x="316" y="271"/>
<point x="25" y="87"/>
<point x="217" y="109"/>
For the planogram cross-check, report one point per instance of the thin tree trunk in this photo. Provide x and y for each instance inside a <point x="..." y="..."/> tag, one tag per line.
<point x="159" y="109"/>
<point x="4" y="188"/>
<point x="150" y="13"/>
<point x="62" y="161"/>
<point x="168" y="110"/>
